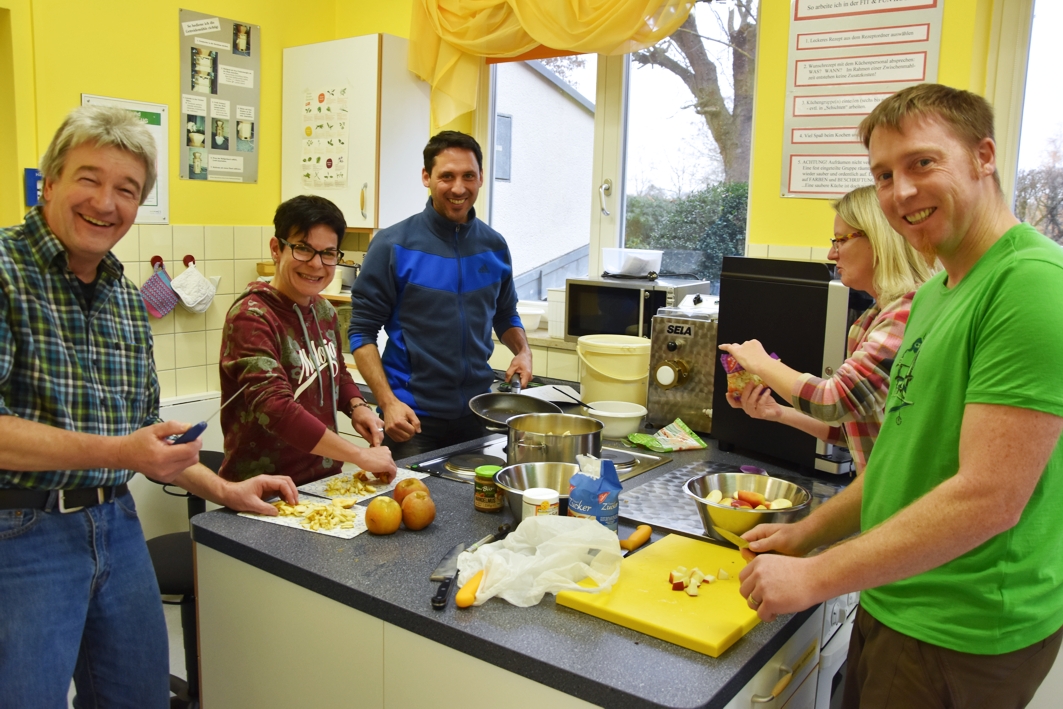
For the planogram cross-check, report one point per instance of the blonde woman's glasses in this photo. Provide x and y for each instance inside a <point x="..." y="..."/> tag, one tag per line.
<point x="839" y="240"/>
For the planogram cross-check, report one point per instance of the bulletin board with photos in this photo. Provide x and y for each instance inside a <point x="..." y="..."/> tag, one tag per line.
<point x="220" y="98"/>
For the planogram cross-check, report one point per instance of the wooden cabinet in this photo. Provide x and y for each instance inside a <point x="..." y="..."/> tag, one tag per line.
<point x="387" y="114"/>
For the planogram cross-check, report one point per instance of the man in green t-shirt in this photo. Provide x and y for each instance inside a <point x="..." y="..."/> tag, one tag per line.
<point x="960" y="555"/>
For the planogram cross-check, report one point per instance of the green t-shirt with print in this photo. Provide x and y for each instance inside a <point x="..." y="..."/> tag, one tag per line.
<point x="996" y="338"/>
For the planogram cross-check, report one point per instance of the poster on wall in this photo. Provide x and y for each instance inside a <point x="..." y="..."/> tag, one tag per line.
<point x="156" y="207"/>
<point x="325" y="136"/>
<point x="220" y="88"/>
<point x="846" y="56"/>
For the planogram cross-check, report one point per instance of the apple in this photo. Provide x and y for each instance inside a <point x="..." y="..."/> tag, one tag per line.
<point x="383" y="515"/>
<point x="737" y="503"/>
<point x="753" y="498"/>
<point x="407" y="485"/>
<point x="418" y="510"/>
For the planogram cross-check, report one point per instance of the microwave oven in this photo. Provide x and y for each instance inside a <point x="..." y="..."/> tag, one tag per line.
<point x="622" y="306"/>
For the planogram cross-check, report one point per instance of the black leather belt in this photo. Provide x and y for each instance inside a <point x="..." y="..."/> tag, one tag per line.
<point x="62" y="500"/>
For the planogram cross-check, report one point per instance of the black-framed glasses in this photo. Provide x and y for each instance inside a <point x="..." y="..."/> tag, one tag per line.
<point x="839" y="240"/>
<point x="303" y="252"/>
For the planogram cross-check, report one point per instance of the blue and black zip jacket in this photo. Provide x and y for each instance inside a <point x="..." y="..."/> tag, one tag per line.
<point x="437" y="288"/>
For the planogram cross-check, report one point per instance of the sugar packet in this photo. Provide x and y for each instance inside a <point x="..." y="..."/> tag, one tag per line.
<point x="594" y="492"/>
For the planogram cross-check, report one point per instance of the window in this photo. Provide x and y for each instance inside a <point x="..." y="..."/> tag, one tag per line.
<point x="1039" y="179"/>
<point x="541" y="191"/>
<point x="688" y="145"/>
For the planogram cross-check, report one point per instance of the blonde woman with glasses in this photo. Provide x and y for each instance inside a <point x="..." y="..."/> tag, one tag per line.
<point x="847" y="407"/>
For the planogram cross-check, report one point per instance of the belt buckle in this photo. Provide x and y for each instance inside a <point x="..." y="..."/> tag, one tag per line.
<point x="63" y="509"/>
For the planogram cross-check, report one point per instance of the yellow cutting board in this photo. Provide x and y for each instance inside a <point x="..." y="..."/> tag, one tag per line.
<point x="643" y="600"/>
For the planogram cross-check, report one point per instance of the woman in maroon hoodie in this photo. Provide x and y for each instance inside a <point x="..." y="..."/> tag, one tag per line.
<point x="282" y="341"/>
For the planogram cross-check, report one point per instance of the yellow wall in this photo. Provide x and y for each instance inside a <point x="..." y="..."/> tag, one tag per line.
<point x="806" y="222"/>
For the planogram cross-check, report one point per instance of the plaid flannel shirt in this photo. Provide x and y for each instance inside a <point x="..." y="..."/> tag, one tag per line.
<point x="91" y="373"/>
<point x="856" y="395"/>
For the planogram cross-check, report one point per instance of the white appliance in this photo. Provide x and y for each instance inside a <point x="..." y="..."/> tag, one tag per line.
<point x="838" y="617"/>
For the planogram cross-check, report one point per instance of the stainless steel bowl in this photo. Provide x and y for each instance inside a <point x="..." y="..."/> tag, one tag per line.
<point x="741" y="520"/>
<point x="515" y="479"/>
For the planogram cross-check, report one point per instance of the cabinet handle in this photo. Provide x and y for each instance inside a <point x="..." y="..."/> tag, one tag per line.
<point x="361" y="200"/>
<point x="778" y="689"/>
<point x="604" y="191"/>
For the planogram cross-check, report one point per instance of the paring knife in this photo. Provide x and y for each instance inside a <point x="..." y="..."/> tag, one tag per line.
<point x="732" y="537"/>
<point x="420" y="468"/>
<point x="196" y="431"/>
<point x="503" y="530"/>
<point x="446" y="571"/>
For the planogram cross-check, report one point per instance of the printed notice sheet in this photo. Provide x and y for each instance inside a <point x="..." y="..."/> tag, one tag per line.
<point x="220" y="65"/>
<point x="156" y="208"/>
<point x="846" y="56"/>
<point x="325" y="136"/>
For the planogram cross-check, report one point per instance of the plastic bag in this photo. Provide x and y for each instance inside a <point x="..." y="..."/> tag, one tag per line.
<point x="738" y="376"/>
<point x="594" y="492"/>
<point x="545" y="554"/>
<point x="676" y="436"/>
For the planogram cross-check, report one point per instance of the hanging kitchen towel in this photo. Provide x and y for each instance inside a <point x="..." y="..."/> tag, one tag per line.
<point x="195" y="290"/>
<point x="157" y="293"/>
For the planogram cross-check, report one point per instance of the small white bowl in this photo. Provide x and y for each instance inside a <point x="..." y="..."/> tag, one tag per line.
<point x="620" y="418"/>
<point x="530" y="320"/>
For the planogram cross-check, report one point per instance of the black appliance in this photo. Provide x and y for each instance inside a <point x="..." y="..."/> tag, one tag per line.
<point x="800" y="312"/>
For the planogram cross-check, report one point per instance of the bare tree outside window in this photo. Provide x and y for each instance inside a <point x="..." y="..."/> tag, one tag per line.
<point x="1039" y="193"/>
<point x="688" y="163"/>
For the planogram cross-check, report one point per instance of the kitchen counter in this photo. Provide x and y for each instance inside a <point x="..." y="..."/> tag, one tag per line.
<point x="579" y="655"/>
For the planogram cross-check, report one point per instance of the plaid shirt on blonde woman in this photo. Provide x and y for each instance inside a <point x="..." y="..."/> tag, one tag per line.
<point x="856" y="395"/>
<point x="61" y="366"/>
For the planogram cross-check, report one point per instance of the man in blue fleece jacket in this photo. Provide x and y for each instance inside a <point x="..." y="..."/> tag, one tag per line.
<point x="437" y="283"/>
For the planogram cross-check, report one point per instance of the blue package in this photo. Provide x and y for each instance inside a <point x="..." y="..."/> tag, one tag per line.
<point x="596" y="496"/>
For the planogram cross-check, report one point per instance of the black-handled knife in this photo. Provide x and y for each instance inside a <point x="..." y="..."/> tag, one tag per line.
<point x="439" y="601"/>
<point x="446" y="571"/>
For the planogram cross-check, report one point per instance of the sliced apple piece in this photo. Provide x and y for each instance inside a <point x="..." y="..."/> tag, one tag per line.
<point x="714" y="496"/>
<point x="679" y="574"/>
<point x="709" y="579"/>
<point x="753" y="498"/>
<point x="780" y="504"/>
<point x="723" y="575"/>
<point x="760" y="507"/>
<point x="741" y="504"/>
<point x="696" y="577"/>
<point x="692" y="589"/>
<point x="678" y="585"/>
<point x="726" y="502"/>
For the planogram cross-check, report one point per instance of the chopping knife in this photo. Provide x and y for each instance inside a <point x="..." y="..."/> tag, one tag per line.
<point x="732" y="537"/>
<point x="197" y="430"/>
<point x="446" y="571"/>
<point x="420" y="468"/>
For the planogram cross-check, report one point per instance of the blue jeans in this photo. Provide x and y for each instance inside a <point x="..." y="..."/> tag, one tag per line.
<point x="78" y="598"/>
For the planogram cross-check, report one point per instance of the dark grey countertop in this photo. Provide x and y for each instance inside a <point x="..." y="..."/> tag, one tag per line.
<point x="595" y="660"/>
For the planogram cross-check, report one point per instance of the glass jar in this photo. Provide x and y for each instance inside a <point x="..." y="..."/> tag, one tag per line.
<point x="487" y="496"/>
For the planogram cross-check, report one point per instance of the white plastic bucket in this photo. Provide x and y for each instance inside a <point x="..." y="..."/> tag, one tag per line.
<point x="613" y="368"/>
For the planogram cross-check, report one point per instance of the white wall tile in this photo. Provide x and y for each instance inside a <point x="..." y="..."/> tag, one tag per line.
<point x="219" y="243"/>
<point x="127" y="250"/>
<point x="213" y="379"/>
<point x="190" y="349"/>
<point x="213" y="338"/>
<point x="162" y="326"/>
<point x="791" y="253"/>
<point x="164" y="352"/>
<point x="167" y="384"/>
<point x="247" y="242"/>
<point x="756" y="250"/>
<point x="243" y="273"/>
<point x="191" y="380"/>
<point x="217" y="311"/>
<point x="267" y="234"/>
<point x="820" y="254"/>
<point x="188" y="239"/>
<point x="156" y="240"/>
<point x="185" y="321"/>
<point x="224" y="269"/>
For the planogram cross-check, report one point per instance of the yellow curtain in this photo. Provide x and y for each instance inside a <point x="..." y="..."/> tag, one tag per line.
<point x="448" y="37"/>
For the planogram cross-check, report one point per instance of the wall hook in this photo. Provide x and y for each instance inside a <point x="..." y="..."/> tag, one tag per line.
<point x="155" y="261"/>
<point x="189" y="259"/>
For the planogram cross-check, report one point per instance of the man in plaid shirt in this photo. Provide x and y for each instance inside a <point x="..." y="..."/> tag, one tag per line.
<point x="79" y="415"/>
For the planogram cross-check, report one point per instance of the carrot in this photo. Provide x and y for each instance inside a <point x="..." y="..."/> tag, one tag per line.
<point x="640" y="536"/>
<point x="467" y="595"/>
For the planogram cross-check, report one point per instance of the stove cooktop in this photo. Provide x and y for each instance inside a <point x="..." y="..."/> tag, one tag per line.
<point x="629" y="462"/>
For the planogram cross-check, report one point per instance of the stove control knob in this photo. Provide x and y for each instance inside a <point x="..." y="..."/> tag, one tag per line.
<point x="672" y="346"/>
<point x="671" y="373"/>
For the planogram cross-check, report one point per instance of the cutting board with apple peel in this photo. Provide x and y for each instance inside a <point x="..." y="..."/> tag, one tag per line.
<point x="643" y="600"/>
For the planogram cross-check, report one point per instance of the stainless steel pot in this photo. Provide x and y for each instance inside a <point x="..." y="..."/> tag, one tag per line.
<point x="552" y="438"/>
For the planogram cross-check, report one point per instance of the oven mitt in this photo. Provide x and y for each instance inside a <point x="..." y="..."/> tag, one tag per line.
<point x="545" y="554"/>
<point x="157" y="293"/>
<point x="195" y="290"/>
